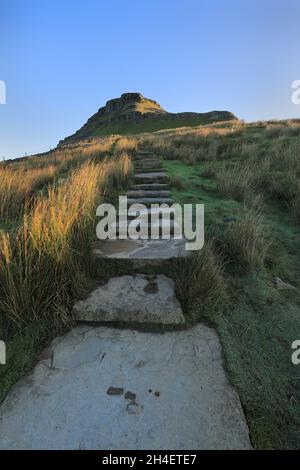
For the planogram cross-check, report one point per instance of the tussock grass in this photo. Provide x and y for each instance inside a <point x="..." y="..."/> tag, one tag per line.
<point x="126" y="145"/>
<point x="295" y="206"/>
<point x="278" y="129"/>
<point x="247" y="241"/>
<point x="193" y="145"/>
<point x="176" y="182"/>
<point x="208" y="170"/>
<point x="18" y="186"/>
<point x="199" y="281"/>
<point x="20" y="181"/>
<point x="42" y="266"/>
<point x="236" y="182"/>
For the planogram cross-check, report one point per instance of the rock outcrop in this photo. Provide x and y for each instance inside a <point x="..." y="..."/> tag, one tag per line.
<point x="132" y="108"/>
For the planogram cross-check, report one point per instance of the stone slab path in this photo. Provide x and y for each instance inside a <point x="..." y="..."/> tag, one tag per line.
<point x="148" y="188"/>
<point x="109" y="388"/>
<point x="105" y="388"/>
<point x="133" y="299"/>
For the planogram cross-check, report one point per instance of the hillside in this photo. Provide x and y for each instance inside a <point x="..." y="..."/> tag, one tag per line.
<point x="245" y="282"/>
<point x="132" y="113"/>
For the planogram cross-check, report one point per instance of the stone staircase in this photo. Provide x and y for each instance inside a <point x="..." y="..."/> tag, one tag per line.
<point x="99" y="387"/>
<point x="150" y="186"/>
<point x="139" y="298"/>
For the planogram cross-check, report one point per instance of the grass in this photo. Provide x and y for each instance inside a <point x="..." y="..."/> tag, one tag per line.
<point x="46" y="257"/>
<point x="247" y="176"/>
<point x="199" y="282"/>
<point x="147" y="125"/>
<point x="246" y="241"/>
<point x="250" y="192"/>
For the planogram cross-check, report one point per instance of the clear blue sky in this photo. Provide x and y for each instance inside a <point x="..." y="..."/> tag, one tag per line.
<point x="62" y="59"/>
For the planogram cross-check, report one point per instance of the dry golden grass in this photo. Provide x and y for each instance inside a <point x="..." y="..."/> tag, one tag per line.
<point x="192" y="145"/>
<point x="18" y="185"/>
<point x="126" y="145"/>
<point x="19" y="181"/>
<point x="42" y="265"/>
<point x="290" y="128"/>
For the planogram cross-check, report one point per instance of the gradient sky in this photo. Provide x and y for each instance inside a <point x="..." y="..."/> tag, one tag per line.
<point x="62" y="59"/>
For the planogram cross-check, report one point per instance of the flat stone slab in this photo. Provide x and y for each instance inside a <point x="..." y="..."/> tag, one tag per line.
<point x="137" y="299"/>
<point x="156" y="177"/>
<point x="147" y="193"/>
<point x="157" y="250"/>
<point x="151" y="212"/>
<point x="147" y="201"/>
<point x="147" y="163"/>
<point x="169" y="225"/>
<point x="150" y="186"/>
<point x="150" y="169"/>
<point x="142" y="153"/>
<point x="105" y="388"/>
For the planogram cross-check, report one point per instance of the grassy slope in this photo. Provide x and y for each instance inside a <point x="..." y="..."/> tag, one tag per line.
<point x="148" y="125"/>
<point x="258" y="329"/>
<point x="24" y="344"/>
<point x="256" y="332"/>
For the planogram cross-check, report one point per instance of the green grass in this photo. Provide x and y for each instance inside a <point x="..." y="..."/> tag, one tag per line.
<point x="147" y="125"/>
<point x="260" y="323"/>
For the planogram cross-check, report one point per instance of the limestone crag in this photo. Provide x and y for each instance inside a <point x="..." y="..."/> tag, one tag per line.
<point x="132" y="108"/>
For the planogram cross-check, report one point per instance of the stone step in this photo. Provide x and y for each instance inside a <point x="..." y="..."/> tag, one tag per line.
<point x="151" y="186"/>
<point x="150" y="200"/>
<point x="147" y="163"/>
<point x="141" y="252"/>
<point x="141" y="168"/>
<point x="118" y="388"/>
<point x="155" y="177"/>
<point x="156" y="169"/>
<point x="150" y="212"/>
<point x="147" y="158"/>
<point x="142" y="155"/>
<point x="147" y="193"/>
<point x="132" y="299"/>
<point x="149" y="226"/>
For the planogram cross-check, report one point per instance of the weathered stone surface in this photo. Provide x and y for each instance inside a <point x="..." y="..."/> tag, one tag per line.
<point x="150" y="169"/>
<point x="147" y="193"/>
<point x="183" y="398"/>
<point x="140" y="249"/>
<point x="168" y="225"/>
<point x="144" y="153"/>
<point x="156" y="177"/>
<point x="133" y="299"/>
<point x="151" y="186"/>
<point x="282" y="285"/>
<point x="147" y="162"/>
<point x="147" y="201"/>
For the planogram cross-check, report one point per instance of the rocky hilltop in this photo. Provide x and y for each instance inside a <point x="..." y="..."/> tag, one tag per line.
<point x="133" y="113"/>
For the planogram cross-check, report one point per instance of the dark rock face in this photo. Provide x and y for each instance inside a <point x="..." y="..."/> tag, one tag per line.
<point x="133" y="108"/>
